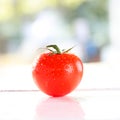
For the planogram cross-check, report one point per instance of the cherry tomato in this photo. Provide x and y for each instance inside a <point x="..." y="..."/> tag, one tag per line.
<point x="57" y="73"/>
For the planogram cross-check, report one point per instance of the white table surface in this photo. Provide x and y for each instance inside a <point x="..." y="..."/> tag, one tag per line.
<point x="96" y="98"/>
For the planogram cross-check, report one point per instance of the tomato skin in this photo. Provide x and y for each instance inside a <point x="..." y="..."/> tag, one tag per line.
<point x="57" y="74"/>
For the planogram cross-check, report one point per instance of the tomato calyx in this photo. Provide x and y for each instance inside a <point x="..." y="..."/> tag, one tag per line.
<point x="57" y="49"/>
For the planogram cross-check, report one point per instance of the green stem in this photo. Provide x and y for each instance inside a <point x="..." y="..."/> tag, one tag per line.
<point x="55" y="47"/>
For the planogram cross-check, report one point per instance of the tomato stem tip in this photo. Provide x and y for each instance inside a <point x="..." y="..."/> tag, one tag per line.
<point x="54" y="47"/>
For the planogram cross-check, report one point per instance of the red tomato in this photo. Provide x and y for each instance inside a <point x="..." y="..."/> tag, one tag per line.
<point x="57" y="74"/>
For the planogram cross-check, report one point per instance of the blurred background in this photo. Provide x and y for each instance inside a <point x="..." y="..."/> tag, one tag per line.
<point x="92" y="26"/>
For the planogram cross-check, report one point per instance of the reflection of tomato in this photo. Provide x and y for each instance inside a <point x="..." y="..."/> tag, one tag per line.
<point x="60" y="108"/>
<point x="57" y="74"/>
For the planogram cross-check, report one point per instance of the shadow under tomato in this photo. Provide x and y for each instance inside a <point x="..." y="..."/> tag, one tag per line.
<point x="60" y="108"/>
